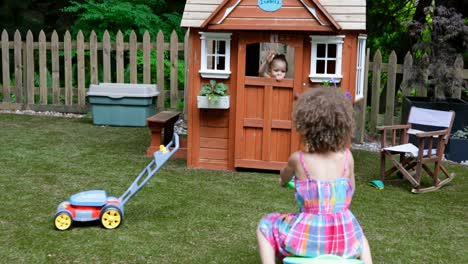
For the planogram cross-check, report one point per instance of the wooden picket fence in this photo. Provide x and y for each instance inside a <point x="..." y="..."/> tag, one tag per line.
<point x="392" y="69"/>
<point x="27" y="88"/>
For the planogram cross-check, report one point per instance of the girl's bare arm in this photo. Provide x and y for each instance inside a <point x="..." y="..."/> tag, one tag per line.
<point x="351" y="171"/>
<point x="287" y="171"/>
<point x="262" y="71"/>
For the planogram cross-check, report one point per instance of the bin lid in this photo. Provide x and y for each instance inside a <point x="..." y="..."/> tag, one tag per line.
<point x="120" y="90"/>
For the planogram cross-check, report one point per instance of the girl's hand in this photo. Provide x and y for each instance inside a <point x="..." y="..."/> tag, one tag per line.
<point x="285" y="176"/>
<point x="281" y="182"/>
<point x="270" y="56"/>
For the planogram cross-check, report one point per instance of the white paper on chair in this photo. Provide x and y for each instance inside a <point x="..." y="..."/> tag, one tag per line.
<point x="409" y="148"/>
<point x="406" y="148"/>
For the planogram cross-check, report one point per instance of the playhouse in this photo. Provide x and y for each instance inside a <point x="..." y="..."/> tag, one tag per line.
<point x="323" y="41"/>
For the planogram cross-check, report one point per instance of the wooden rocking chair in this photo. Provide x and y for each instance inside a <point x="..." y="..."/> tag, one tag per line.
<point x="413" y="159"/>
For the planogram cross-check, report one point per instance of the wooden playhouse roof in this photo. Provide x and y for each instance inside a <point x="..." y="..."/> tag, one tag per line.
<point x="245" y="14"/>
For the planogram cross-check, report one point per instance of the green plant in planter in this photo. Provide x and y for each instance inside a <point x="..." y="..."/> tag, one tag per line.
<point x="465" y="94"/>
<point x="457" y="149"/>
<point x="461" y="133"/>
<point x="214" y="90"/>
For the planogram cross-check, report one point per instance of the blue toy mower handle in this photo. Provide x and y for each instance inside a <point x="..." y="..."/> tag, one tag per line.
<point x="160" y="157"/>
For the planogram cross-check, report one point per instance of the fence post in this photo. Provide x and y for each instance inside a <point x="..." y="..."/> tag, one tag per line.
<point x="425" y="61"/>
<point x="146" y="57"/>
<point x="29" y="68"/>
<point x="106" y="57"/>
<point x="376" y="72"/>
<point x="390" y="98"/>
<point x="407" y="71"/>
<point x="119" y="60"/>
<point x="133" y="57"/>
<point x="186" y="64"/>
<point x="160" y="68"/>
<point x="68" y="68"/>
<point x="5" y="67"/>
<point x="93" y="61"/>
<point x="81" y="68"/>
<point x="18" y="67"/>
<point x="55" y="68"/>
<point x="458" y="65"/>
<point x="42" y="68"/>
<point x="174" y="69"/>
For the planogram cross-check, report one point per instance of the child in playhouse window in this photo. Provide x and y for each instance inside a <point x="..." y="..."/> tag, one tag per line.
<point x="324" y="186"/>
<point x="274" y="66"/>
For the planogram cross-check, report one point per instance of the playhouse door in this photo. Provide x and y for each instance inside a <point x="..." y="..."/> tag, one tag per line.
<point x="265" y="136"/>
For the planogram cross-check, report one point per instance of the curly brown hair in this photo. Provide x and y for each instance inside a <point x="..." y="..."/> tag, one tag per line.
<point x="324" y="117"/>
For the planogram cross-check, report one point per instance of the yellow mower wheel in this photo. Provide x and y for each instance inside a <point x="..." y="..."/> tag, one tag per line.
<point x="111" y="217"/>
<point x="63" y="220"/>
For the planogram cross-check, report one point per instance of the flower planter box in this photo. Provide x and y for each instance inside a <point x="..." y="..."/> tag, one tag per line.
<point x="457" y="150"/>
<point x="221" y="103"/>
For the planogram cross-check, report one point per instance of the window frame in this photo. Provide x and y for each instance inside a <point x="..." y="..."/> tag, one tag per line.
<point x="210" y="73"/>
<point x="360" y="67"/>
<point x="320" y="39"/>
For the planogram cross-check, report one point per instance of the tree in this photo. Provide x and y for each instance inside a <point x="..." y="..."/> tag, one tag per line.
<point x="388" y="20"/>
<point x="440" y="38"/>
<point x="458" y="5"/>
<point x="34" y="15"/>
<point x="126" y="15"/>
<point x="386" y="26"/>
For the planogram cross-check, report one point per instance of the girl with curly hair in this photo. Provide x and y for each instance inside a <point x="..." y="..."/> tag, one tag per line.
<point x="324" y="186"/>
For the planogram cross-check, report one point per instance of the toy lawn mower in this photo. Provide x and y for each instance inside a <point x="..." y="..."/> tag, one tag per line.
<point x="96" y="205"/>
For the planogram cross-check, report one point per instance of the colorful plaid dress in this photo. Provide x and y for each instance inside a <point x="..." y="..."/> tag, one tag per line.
<point x="324" y="224"/>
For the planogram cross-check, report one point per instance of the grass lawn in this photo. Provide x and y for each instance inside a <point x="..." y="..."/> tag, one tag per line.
<point x="189" y="215"/>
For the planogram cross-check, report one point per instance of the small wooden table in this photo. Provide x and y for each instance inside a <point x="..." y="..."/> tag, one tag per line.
<point x="164" y="120"/>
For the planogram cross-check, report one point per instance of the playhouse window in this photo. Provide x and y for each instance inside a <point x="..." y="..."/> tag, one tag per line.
<point x="325" y="61"/>
<point x="256" y="54"/>
<point x="361" y="57"/>
<point x="215" y="55"/>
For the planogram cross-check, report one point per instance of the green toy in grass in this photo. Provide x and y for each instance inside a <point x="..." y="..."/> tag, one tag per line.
<point x="290" y="184"/>
<point x="377" y="184"/>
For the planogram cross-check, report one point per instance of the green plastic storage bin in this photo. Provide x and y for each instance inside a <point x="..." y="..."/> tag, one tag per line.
<point x="118" y="104"/>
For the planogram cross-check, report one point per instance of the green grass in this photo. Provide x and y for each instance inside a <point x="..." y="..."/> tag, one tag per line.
<point x="189" y="215"/>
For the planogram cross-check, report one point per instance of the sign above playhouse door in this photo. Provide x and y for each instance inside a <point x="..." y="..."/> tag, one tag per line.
<point x="270" y="5"/>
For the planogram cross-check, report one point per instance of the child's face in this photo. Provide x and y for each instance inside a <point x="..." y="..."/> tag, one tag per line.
<point x="278" y="69"/>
